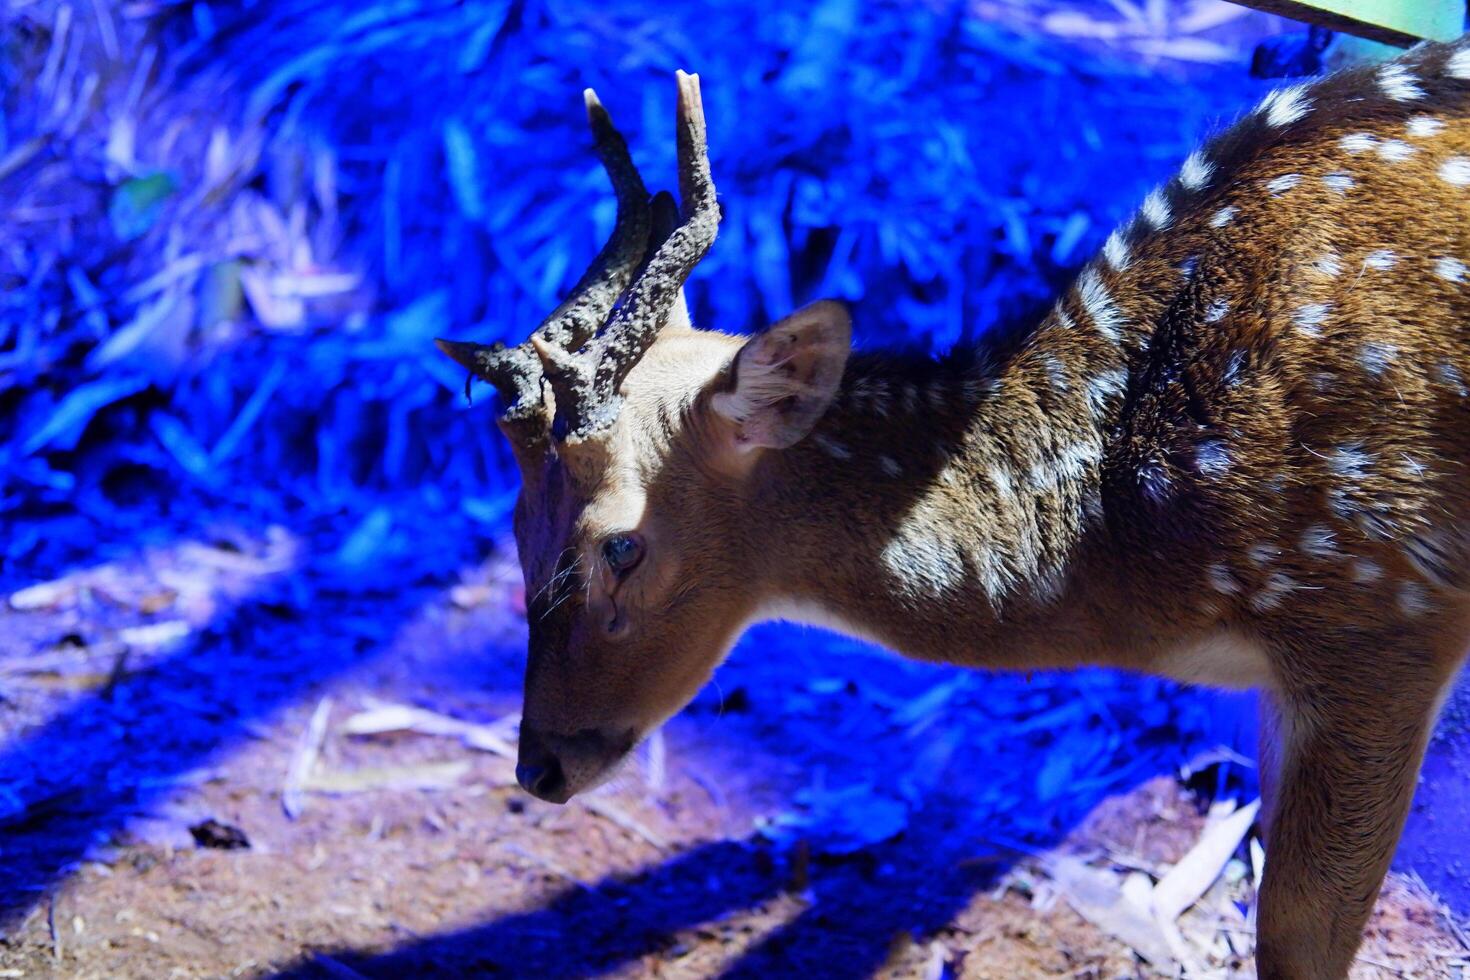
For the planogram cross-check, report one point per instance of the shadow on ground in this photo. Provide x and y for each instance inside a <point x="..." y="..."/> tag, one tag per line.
<point x="112" y="753"/>
<point x="844" y="921"/>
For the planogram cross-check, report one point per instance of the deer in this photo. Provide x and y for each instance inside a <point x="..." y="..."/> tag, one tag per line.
<point x="1232" y="453"/>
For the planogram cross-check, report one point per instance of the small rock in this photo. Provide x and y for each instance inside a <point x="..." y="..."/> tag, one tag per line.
<point x="222" y="836"/>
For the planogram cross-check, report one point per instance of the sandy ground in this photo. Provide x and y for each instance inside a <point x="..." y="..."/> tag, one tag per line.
<point x="822" y="810"/>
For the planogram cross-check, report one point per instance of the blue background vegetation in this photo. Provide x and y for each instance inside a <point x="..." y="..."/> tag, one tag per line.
<point x="375" y="175"/>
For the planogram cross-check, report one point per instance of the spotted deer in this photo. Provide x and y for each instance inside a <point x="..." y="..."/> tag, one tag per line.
<point x="1233" y="453"/>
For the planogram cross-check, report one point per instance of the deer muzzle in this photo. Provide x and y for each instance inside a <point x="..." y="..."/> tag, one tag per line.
<point x="555" y="768"/>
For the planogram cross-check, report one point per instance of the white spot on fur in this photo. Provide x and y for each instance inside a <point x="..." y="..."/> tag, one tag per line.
<point x="1413" y="600"/>
<point x="890" y="466"/>
<point x="1339" y="183"/>
<point x="1197" y="171"/>
<point x="1356" y="143"/>
<point x="1001" y="478"/>
<point x="1430" y="557"/>
<point x="1216" y="311"/>
<point x="1056" y="373"/>
<point x="1221" y="579"/>
<point x="921" y="563"/>
<point x="863" y="395"/>
<point x="1376" y="356"/>
<point x="1396" y="151"/>
<point x="1154" y="483"/>
<point x="1105" y="387"/>
<point x="1449" y="269"/>
<point x="1277" y="587"/>
<point x="1350" y="461"/>
<point x="1211" y="458"/>
<point x="1376" y="525"/>
<point x="1456" y="170"/>
<point x="1458" y="65"/>
<point x="1329" y="264"/>
<point x="1223" y="217"/>
<point x="1425" y="127"/>
<point x="1079" y="459"/>
<point x="1450" y="375"/>
<point x="831" y="447"/>
<point x="1381" y="260"/>
<point x="1234" y="367"/>
<point x="1365" y="571"/>
<point x="1397" y="82"/>
<point x="1319" y="541"/>
<point x="1156" y="209"/>
<point x="978" y="388"/>
<point x="1309" y="318"/>
<point x="1072" y="463"/>
<point x="1098" y="302"/>
<point x="1280" y="185"/>
<point x="996" y="578"/>
<point x="1115" y="250"/>
<point x="1286" y="106"/>
<point x="1262" y="553"/>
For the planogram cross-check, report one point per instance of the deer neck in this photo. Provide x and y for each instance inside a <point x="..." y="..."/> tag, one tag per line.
<point x="942" y="508"/>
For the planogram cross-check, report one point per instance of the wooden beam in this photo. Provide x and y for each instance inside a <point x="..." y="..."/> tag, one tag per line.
<point x="1397" y="22"/>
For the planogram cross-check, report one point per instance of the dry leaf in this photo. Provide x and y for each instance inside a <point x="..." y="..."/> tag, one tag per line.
<point x="155" y="634"/>
<point x="426" y="775"/>
<point x="406" y="718"/>
<point x="1184" y="883"/>
<point x="1097" y="895"/>
<point x="303" y="762"/>
<point x="44" y="595"/>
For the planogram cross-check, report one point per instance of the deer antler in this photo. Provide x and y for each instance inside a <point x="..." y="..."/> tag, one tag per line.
<point x="585" y="382"/>
<point x="516" y="371"/>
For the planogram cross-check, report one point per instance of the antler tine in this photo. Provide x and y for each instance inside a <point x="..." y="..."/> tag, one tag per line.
<point x="586" y="386"/>
<point x="585" y="309"/>
<point x="516" y="372"/>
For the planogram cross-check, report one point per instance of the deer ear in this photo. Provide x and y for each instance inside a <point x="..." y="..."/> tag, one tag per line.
<point x="785" y="378"/>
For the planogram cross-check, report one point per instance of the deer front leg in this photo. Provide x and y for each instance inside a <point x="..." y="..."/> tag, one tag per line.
<point x="1347" y="754"/>
<point x="1271" y="736"/>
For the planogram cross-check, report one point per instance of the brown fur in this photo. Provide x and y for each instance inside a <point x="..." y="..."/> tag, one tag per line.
<point x="1235" y="453"/>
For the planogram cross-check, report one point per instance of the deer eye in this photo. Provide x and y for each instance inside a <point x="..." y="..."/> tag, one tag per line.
<point x="622" y="553"/>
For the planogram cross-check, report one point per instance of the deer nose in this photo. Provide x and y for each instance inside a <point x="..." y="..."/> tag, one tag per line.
<point x="544" y="780"/>
<point x="538" y="770"/>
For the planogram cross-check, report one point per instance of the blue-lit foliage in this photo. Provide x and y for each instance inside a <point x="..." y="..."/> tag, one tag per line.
<point x="230" y="274"/>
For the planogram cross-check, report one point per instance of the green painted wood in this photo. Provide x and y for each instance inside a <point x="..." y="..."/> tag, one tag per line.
<point x="1398" y="22"/>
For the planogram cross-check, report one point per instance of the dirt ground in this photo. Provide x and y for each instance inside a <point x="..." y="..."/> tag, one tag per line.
<point x="233" y="752"/>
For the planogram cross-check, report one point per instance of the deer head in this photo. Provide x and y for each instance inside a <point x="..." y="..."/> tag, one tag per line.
<point x="637" y="438"/>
